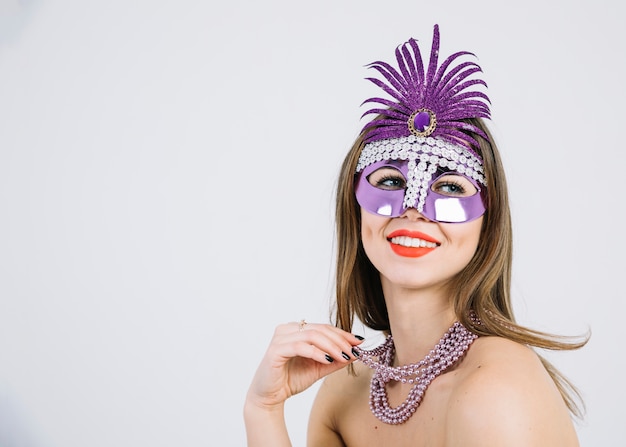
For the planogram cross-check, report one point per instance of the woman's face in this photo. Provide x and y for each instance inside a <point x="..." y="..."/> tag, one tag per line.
<point x="413" y="251"/>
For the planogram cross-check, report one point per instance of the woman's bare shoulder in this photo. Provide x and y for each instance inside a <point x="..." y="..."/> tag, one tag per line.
<point x="499" y="352"/>
<point x="337" y="398"/>
<point x="342" y="386"/>
<point x="505" y="396"/>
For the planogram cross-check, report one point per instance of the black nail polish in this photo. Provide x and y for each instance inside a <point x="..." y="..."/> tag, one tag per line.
<point x="359" y="337"/>
<point x="355" y="352"/>
<point x="345" y="356"/>
<point x="329" y="358"/>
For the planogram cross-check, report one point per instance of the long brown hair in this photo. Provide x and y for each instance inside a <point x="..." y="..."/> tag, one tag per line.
<point x="482" y="287"/>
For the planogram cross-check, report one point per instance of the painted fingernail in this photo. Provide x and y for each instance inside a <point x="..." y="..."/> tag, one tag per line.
<point x="355" y="352"/>
<point x="359" y="337"/>
<point x="345" y="356"/>
<point x="329" y="358"/>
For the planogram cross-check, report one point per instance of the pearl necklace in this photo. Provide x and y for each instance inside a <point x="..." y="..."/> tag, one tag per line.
<point x="450" y="349"/>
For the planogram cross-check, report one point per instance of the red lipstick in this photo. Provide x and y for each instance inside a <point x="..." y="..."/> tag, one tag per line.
<point x="411" y="252"/>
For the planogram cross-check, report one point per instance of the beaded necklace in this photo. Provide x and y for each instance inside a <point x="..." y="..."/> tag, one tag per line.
<point x="450" y="349"/>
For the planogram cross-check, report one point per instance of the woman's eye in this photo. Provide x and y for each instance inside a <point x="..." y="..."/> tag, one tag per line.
<point x="454" y="185"/>
<point x="391" y="183"/>
<point x="451" y="188"/>
<point x="388" y="179"/>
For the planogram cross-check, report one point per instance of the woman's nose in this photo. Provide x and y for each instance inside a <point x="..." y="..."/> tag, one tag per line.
<point x="413" y="215"/>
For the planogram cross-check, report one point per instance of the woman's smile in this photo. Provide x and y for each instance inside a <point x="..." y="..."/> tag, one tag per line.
<point x="412" y="244"/>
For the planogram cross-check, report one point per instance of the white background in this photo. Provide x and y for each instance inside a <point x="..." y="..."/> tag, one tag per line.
<point x="167" y="171"/>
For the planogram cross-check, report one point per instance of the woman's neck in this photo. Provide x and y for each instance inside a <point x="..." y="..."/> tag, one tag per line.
<point x="418" y="319"/>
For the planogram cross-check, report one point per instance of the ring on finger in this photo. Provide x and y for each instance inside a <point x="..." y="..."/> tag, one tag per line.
<point x="301" y="325"/>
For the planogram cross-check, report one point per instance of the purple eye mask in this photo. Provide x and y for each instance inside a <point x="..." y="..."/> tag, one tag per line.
<point x="436" y="207"/>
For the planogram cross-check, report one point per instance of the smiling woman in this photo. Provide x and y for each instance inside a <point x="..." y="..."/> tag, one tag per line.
<point x="424" y="255"/>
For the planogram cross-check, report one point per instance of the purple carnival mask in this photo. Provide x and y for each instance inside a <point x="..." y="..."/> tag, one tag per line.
<point x="446" y="198"/>
<point x="423" y="135"/>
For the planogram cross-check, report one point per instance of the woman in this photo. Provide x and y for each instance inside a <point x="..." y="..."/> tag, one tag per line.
<point x="424" y="255"/>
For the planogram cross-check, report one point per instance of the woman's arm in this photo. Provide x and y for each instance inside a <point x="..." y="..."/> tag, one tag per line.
<point x="296" y="358"/>
<point x="265" y="426"/>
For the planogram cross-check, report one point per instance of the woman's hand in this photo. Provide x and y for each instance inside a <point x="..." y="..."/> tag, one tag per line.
<point x="299" y="355"/>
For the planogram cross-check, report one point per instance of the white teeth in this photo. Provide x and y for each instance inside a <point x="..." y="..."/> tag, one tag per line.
<point x="412" y="242"/>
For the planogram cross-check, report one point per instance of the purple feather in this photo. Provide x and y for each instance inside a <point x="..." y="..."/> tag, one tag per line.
<point x="447" y="90"/>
